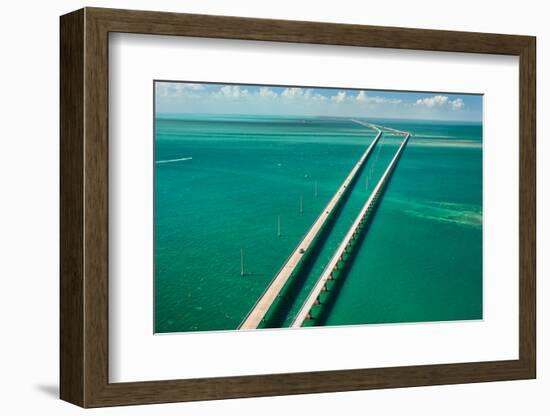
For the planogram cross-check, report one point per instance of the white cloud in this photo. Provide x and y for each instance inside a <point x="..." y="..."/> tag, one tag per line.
<point x="194" y="87"/>
<point x="178" y="89"/>
<point x="310" y="95"/>
<point x="361" y="96"/>
<point x="267" y="93"/>
<point x="292" y="93"/>
<point x="440" y="101"/>
<point x="458" y="104"/>
<point x="296" y="93"/>
<point x="340" y="97"/>
<point x="382" y="100"/>
<point x="435" y="101"/>
<point x="231" y="91"/>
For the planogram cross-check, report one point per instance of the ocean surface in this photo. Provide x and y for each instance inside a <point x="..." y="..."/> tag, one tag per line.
<point x="224" y="183"/>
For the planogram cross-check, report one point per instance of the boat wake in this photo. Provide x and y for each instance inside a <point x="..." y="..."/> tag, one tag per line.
<point x="181" y="159"/>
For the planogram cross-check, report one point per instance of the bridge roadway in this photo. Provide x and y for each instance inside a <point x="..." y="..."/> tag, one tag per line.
<point x="338" y="257"/>
<point x="262" y="305"/>
<point x="387" y="129"/>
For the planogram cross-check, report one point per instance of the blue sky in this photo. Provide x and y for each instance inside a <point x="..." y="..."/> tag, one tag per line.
<point x="184" y="97"/>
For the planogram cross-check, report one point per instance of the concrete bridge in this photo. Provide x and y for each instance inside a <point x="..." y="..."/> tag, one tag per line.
<point x="268" y="297"/>
<point x="340" y="256"/>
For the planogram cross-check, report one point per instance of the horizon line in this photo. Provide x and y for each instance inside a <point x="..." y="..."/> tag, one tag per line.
<point x="318" y="116"/>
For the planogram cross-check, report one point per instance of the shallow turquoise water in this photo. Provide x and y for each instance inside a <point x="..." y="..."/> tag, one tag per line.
<point x="420" y="259"/>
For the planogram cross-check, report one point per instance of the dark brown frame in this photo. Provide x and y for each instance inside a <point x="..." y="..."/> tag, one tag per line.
<point x="84" y="207"/>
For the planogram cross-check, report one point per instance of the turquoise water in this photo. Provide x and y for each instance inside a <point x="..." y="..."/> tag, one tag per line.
<point x="421" y="256"/>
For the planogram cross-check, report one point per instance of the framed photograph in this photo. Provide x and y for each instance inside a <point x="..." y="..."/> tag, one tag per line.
<point x="257" y="207"/>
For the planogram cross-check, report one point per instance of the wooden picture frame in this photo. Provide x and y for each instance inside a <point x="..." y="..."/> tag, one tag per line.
<point x="84" y="207"/>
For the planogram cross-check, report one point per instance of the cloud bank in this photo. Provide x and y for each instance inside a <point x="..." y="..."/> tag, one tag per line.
<point x="441" y="101"/>
<point x="251" y="99"/>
